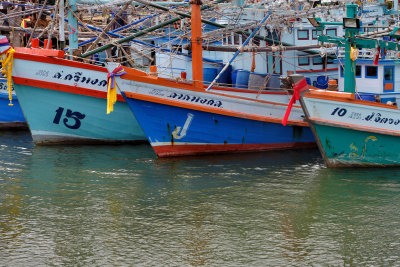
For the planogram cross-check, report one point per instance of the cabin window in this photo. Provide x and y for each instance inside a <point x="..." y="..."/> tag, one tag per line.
<point x="317" y="60"/>
<point x="388" y="74"/>
<point x="302" y="34"/>
<point x="371" y="72"/>
<point x="358" y="71"/>
<point x="331" y="32"/>
<point x="329" y="60"/>
<point x="236" y="39"/>
<point x="304" y="61"/>
<point x="275" y="63"/>
<point x="315" y="34"/>
<point x="388" y="78"/>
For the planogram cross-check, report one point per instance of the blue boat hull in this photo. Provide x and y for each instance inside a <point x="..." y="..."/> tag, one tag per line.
<point x="177" y="131"/>
<point x="11" y="116"/>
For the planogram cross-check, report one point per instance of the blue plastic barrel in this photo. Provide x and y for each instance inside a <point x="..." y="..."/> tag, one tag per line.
<point x="209" y="74"/>
<point x="226" y="76"/>
<point x="322" y="82"/>
<point x="366" y="97"/>
<point x="242" y="79"/>
<point x="233" y="77"/>
<point x="308" y="80"/>
<point x="274" y="82"/>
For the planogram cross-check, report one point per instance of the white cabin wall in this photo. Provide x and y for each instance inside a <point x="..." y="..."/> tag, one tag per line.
<point x="340" y="80"/>
<point x="396" y="78"/>
<point x="369" y="85"/>
<point x="171" y="67"/>
<point x="365" y="85"/>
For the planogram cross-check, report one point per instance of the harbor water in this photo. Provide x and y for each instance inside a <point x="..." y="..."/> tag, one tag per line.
<point x="122" y="206"/>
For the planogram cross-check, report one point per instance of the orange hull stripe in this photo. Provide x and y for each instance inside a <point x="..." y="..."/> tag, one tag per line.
<point x="63" y="88"/>
<point x="211" y="109"/>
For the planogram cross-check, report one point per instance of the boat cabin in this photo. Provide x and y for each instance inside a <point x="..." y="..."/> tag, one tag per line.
<point x="375" y="82"/>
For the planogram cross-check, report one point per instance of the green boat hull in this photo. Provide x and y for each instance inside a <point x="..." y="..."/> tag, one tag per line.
<point x="348" y="148"/>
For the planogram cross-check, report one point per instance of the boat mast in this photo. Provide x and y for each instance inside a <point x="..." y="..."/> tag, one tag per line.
<point x="62" y="25"/>
<point x="349" y="66"/>
<point x="73" y="27"/>
<point x="197" y="41"/>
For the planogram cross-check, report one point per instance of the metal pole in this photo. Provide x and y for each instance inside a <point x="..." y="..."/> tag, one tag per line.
<point x="185" y="15"/>
<point x="116" y="30"/>
<point x="138" y="34"/>
<point x="239" y="50"/>
<point x="36" y="24"/>
<point x="349" y="69"/>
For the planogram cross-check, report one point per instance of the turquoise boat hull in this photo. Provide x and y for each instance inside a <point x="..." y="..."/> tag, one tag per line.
<point x="348" y="147"/>
<point x="352" y="132"/>
<point x="56" y="117"/>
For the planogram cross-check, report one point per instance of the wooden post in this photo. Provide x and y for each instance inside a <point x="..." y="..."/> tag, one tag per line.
<point x="73" y="27"/>
<point x="62" y="25"/>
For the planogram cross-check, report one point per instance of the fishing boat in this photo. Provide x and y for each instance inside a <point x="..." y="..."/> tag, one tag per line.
<point x="64" y="101"/>
<point x="183" y="118"/>
<point x="359" y="126"/>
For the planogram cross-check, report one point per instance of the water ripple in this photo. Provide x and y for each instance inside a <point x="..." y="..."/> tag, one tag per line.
<point x="119" y="205"/>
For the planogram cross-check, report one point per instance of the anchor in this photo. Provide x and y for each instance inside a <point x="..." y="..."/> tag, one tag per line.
<point x="178" y="129"/>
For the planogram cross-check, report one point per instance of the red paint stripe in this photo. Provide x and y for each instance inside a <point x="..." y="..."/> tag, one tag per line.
<point x="186" y="150"/>
<point x="175" y="103"/>
<point x="305" y="71"/>
<point x="63" y="88"/>
<point x="58" y="61"/>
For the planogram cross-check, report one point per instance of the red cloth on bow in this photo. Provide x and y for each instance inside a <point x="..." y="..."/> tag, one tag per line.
<point x="378" y="52"/>
<point x="298" y="87"/>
